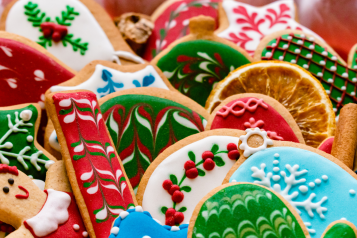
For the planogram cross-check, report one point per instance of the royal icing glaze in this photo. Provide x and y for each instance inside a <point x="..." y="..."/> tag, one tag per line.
<point x="249" y="24"/>
<point x="194" y="187"/>
<point x="81" y="39"/>
<point x="126" y="225"/>
<point x="172" y="24"/>
<point x="149" y="125"/>
<point x="100" y="177"/>
<point x="326" y="145"/>
<point x="194" y="67"/>
<point x="106" y="80"/>
<point x="338" y="80"/>
<point x="57" y="217"/>
<point x="340" y="230"/>
<point x="252" y="112"/>
<point x="26" y="74"/>
<point x="15" y="149"/>
<point x="315" y="191"/>
<point x="245" y="210"/>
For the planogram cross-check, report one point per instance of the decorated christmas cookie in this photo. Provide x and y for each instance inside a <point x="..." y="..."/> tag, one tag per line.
<point x="313" y="182"/>
<point x="251" y="110"/>
<point x="185" y="172"/>
<point x="171" y="22"/>
<point x="36" y="213"/>
<point x="338" y="79"/>
<point x="95" y="172"/>
<point x="245" y="210"/>
<point x="197" y="62"/>
<point x="76" y="32"/>
<point x="18" y="144"/>
<point x="341" y="228"/>
<point x="27" y="71"/>
<point x="292" y="86"/>
<point x="246" y="25"/>
<point x="326" y="145"/>
<point x="103" y="78"/>
<point x="143" y="122"/>
<point x="127" y="225"/>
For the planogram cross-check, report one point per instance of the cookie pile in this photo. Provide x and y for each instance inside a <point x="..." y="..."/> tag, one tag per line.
<point x="235" y="121"/>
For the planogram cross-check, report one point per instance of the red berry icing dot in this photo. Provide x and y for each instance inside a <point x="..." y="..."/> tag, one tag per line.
<point x="207" y="154"/>
<point x="192" y="173"/>
<point x="179" y="217"/>
<point x="173" y="189"/>
<point x="232" y="146"/>
<point x="233" y="155"/>
<point x="170" y="221"/>
<point x="167" y="184"/>
<point x="209" y="164"/>
<point x="177" y="196"/>
<point x="189" y="164"/>
<point x="170" y="212"/>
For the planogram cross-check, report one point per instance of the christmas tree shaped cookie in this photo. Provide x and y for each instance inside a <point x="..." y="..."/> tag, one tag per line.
<point x="27" y="71"/>
<point x="95" y="172"/>
<point x="185" y="172"/>
<point x="171" y="22"/>
<point x="103" y="78"/>
<point x="197" y="62"/>
<point x="76" y="32"/>
<point x="18" y="145"/>
<point x="143" y="122"/>
<point x="313" y="182"/>
<point x="245" y="210"/>
<point x="246" y="25"/>
<point x="338" y="79"/>
<point x="251" y="110"/>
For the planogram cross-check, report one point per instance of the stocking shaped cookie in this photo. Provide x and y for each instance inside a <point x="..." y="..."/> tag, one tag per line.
<point x="126" y="225"/>
<point x="313" y="182"/>
<point x="185" y="172"/>
<point x="143" y="122"/>
<point x="197" y="62"/>
<point x="245" y="210"/>
<point x="251" y="110"/>
<point x="338" y="79"/>
<point x="171" y="22"/>
<point x="296" y="89"/>
<point x="18" y="144"/>
<point x="76" y="32"/>
<point x="36" y="213"/>
<point x="27" y="71"/>
<point x="95" y="172"/>
<point x="246" y="25"/>
<point x="103" y="78"/>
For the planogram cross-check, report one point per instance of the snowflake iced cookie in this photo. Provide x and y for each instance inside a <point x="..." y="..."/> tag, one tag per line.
<point x="312" y="181"/>
<point x="295" y="88"/>
<point x="143" y="122"/>
<point x="36" y="213"/>
<point x="103" y="78"/>
<point x="95" y="171"/>
<point x="75" y="31"/>
<point x="338" y="79"/>
<point x="251" y="110"/>
<point x="246" y="25"/>
<point x="18" y="144"/>
<point x="171" y="22"/>
<point x="195" y="63"/>
<point x="27" y="71"/>
<point x="245" y="210"/>
<point x="127" y="225"/>
<point x="185" y="172"/>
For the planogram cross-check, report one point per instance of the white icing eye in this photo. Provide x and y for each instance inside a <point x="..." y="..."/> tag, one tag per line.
<point x="26" y="115"/>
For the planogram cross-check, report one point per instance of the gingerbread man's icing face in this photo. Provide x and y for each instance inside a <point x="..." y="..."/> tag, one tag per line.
<point x="20" y="198"/>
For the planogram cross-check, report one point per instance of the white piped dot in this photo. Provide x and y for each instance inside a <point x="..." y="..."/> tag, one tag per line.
<point x="276" y="169"/>
<point x="328" y="92"/>
<point x="330" y="80"/>
<point x="319" y="74"/>
<point x="344" y="219"/>
<point x="276" y="162"/>
<point x="268" y="54"/>
<point x="354" y="80"/>
<point x="303" y="189"/>
<point x="8" y="145"/>
<point x="124" y="214"/>
<point x="353" y="93"/>
<point x="324" y="53"/>
<point x="318" y="181"/>
<point x="335" y="109"/>
<point x="26" y="115"/>
<point x="85" y="234"/>
<point x="309" y="56"/>
<point x="355" y="66"/>
<point x="293" y="61"/>
<point x="175" y="228"/>
<point x="334" y="58"/>
<point x="339" y="99"/>
<point x="345" y="75"/>
<point x="146" y="237"/>
<point x="312" y="185"/>
<point x="76" y="227"/>
<point x="273" y="45"/>
<point x="297" y="51"/>
<point x="114" y="231"/>
<point x="285" y="46"/>
<point x="343" y="88"/>
<point x="289" y="37"/>
<point x="322" y="62"/>
<point x="312" y="38"/>
<point x="139" y="209"/>
<point x="311" y="47"/>
<point x="276" y="155"/>
<point x="299" y="42"/>
<point x="324" y="177"/>
<point x="333" y="68"/>
<point x="352" y="192"/>
<point x="281" y="57"/>
<point x="276" y="178"/>
<point x="233" y="181"/>
<point x="305" y="66"/>
<point x="29" y="138"/>
<point x="302" y="36"/>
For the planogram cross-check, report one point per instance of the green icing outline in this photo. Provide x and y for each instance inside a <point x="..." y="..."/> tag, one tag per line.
<point x="340" y="230"/>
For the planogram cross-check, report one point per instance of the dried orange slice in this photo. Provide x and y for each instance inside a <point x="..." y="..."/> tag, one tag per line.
<point x="291" y="85"/>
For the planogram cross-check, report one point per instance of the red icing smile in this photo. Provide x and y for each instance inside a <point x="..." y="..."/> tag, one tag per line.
<point x="21" y="196"/>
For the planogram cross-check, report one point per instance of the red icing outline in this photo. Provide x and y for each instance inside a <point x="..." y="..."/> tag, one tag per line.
<point x="275" y="125"/>
<point x="21" y="196"/>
